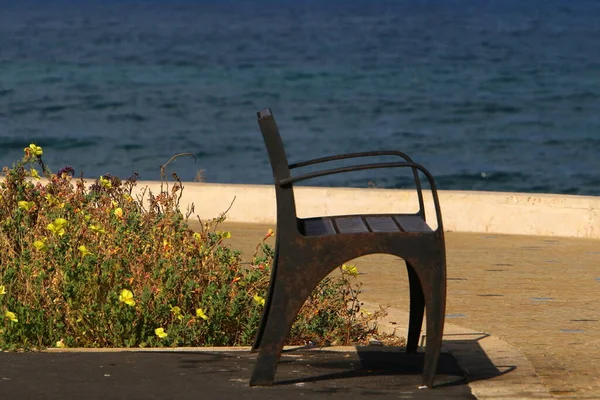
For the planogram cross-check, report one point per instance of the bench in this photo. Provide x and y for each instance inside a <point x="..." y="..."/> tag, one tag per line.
<point x="308" y="249"/>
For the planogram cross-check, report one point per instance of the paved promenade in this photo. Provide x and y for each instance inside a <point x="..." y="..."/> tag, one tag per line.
<point x="539" y="295"/>
<point x="223" y="374"/>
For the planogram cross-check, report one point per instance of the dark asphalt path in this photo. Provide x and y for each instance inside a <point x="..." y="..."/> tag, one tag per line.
<point x="382" y="374"/>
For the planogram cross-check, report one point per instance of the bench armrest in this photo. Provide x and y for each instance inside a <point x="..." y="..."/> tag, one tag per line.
<point x="360" y="167"/>
<point x="376" y="153"/>
<point x="351" y="155"/>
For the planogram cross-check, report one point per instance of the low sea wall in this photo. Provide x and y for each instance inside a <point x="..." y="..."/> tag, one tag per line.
<point x="462" y="211"/>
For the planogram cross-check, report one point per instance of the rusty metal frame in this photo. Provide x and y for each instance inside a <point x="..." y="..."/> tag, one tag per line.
<point x="302" y="260"/>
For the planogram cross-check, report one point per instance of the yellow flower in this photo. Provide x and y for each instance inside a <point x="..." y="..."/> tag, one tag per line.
<point x="127" y="297"/>
<point x="97" y="229"/>
<point x="160" y="332"/>
<point x="269" y="234"/>
<point x="105" y="182"/>
<point x="119" y="212"/>
<point x="34" y="173"/>
<point x="350" y="270"/>
<point x="34" y="150"/>
<point x="58" y="226"/>
<point x="197" y="236"/>
<point x="61" y="344"/>
<point x="50" y="199"/>
<point x="259" y="300"/>
<point x="84" y="251"/>
<point x="11" y="315"/>
<point x="26" y="205"/>
<point x="2" y="290"/>
<point x="200" y="314"/>
<point x="224" y="235"/>
<point x="40" y="244"/>
<point x="177" y="312"/>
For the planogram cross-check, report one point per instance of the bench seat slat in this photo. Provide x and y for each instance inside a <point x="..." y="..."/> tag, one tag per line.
<point x="353" y="224"/>
<point x="382" y="224"/>
<point x="318" y="227"/>
<point x="325" y="226"/>
<point x="412" y="223"/>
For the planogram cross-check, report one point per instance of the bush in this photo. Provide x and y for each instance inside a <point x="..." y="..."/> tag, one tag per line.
<point x="100" y="267"/>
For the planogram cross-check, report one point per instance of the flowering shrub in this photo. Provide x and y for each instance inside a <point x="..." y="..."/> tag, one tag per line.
<point x="95" y="267"/>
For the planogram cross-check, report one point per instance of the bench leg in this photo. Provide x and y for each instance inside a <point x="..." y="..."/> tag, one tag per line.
<point x="261" y="327"/>
<point x="265" y="368"/>
<point x="269" y="301"/>
<point x="417" y="309"/>
<point x="435" y="306"/>
<point x="279" y="319"/>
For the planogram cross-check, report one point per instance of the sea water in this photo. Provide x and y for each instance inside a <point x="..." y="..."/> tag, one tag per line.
<point x="488" y="95"/>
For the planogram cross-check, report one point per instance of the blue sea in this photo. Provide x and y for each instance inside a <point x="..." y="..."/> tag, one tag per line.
<point x="489" y="95"/>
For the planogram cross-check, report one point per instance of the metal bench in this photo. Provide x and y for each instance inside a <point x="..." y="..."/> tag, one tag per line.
<point x="308" y="249"/>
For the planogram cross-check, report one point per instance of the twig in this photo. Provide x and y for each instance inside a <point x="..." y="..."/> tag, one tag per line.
<point x="163" y="176"/>
<point x="222" y="217"/>
<point x="230" y="205"/>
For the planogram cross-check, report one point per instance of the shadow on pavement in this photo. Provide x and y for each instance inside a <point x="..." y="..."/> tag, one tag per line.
<point x="384" y="372"/>
<point x="473" y="360"/>
<point x="373" y="362"/>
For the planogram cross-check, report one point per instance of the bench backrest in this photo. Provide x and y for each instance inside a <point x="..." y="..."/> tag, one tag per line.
<point x="286" y="206"/>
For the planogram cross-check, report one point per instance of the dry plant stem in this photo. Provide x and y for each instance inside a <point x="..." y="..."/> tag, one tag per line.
<point x="163" y="174"/>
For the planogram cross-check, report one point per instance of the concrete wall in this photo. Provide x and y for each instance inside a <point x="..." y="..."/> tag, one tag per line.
<point x="464" y="211"/>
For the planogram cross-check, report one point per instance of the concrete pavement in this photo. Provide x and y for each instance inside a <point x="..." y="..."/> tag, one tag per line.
<point x="530" y="303"/>
<point x="378" y="373"/>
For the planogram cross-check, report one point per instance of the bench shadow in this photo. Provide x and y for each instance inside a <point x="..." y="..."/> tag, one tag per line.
<point x="472" y="359"/>
<point x="371" y="361"/>
<point x="473" y="364"/>
<point x="466" y="362"/>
